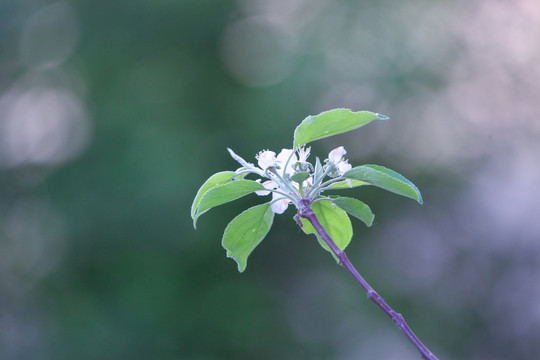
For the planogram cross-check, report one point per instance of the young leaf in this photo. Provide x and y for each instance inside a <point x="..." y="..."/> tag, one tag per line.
<point x="317" y="173"/>
<point x="300" y="176"/>
<point x="386" y="179"/>
<point x="245" y="232"/>
<point x="354" y="207"/>
<point x="219" y="178"/>
<point x="330" y="123"/>
<point x="345" y="185"/>
<point x="241" y="161"/>
<point x="334" y="220"/>
<point x="225" y="193"/>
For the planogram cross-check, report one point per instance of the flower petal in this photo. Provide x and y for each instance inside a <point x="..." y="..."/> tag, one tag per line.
<point x="343" y="167"/>
<point x="282" y="158"/>
<point x="266" y="158"/>
<point x="269" y="184"/>
<point x="279" y="206"/>
<point x="337" y="154"/>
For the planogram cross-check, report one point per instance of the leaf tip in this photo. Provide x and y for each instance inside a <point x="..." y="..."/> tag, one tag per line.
<point x="368" y="224"/>
<point x="381" y="116"/>
<point x="241" y="264"/>
<point x="418" y="196"/>
<point x="195" y="216"/>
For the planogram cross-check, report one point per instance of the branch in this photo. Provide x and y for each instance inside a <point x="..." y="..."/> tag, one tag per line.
<point x="305" y="211"/>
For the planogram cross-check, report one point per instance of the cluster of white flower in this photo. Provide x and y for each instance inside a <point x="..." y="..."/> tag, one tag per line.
<point x="291" y="177"/>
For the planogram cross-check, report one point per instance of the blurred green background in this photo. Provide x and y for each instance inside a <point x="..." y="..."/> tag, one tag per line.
<point x="113" y="113"/>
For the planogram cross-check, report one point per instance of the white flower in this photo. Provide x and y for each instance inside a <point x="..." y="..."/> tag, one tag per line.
<point x="282" y="158"/>
<point x="265" y="159"/>
<point x="279" y="206"/>
<point x="269" y="184"/>
<point x="285" y="161"/>
<point x="336" y="157"/>
<point x="343" y="167"/>
<point x="337" y="154"/>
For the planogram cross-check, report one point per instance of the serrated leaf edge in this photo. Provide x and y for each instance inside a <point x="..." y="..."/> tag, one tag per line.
<point x="197" y="214"/>
<point x="400" y="178"/>
<point x="332" y="199"/>
<point x="270" y="223"/>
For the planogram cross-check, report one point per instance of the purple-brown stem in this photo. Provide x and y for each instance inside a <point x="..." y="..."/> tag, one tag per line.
<point x="305" y="211"/>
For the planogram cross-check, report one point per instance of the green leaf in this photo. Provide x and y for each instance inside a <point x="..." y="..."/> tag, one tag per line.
<point x="345" y="185"/>
<point x="354" y="207"/>
<point x="219" y="178"/>
<point x="386" y="179"/>
<point x="330" y="123"/>
<point x="334" y="220"/>
<point x="225" y="193"/>
<point x="300" y="176"/>
<point x="317" y="173"/>
<point x="246" y="231"/>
